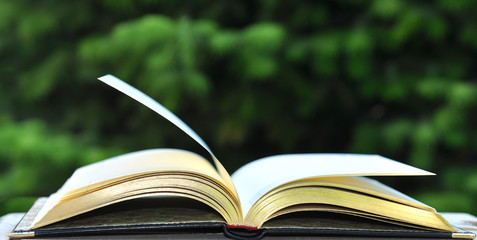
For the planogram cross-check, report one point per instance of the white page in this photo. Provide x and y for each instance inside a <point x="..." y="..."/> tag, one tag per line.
<point x="164" y="112"/>
<point x="153" y="105"/>
<point x="258" y="177"/>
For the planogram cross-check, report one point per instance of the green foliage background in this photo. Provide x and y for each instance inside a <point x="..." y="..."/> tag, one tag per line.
<point x="253" y="78"/>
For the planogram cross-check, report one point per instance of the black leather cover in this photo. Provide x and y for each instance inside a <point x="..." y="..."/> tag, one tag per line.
<point x="147" y="216"/>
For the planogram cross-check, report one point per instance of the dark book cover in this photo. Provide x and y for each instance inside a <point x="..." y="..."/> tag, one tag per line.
<point x="180" y="215"/>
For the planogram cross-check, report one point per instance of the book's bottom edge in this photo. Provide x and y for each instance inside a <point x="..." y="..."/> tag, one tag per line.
<point x="366" y="233"/>
<point x="235" y="233"/>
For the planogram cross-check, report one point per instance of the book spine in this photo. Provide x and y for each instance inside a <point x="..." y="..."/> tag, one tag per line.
<point x="243" y="232"/>
<point x="242" y="227"/>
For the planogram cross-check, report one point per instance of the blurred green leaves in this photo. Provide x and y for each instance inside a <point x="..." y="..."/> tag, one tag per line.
<point x="326" y="53"/>
<point x="155" y="47"/>
<point x="33" y="159"/>
<point x="389" y="77"/>
<point x="259" y="50"/>
<point x="40" y="81"/>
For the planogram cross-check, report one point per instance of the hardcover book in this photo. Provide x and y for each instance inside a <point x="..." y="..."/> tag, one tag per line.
<point x="172" y="190"/>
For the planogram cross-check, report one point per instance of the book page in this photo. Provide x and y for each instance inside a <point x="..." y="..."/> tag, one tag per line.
<point x="258" y="177"/>
<point x="101" y="173"/>
<point x="164" y="112"/>
<point x="140" y="162"/>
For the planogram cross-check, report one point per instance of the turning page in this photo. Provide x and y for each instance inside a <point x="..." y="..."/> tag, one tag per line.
<point x="164" y="112"/>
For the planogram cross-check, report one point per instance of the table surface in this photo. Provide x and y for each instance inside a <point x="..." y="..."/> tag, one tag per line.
<point x="8" y="222"/>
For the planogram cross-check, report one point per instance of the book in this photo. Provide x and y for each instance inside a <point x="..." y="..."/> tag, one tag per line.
<point x="178" y="190"/>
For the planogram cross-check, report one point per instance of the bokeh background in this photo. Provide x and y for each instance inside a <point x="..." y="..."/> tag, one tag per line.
<point x="253" y="78"/>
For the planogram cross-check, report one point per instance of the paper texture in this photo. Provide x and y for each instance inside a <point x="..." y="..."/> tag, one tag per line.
<point x="258" y="177"/>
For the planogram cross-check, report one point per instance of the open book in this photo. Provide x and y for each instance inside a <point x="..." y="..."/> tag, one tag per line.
<point x="252" y="198"/>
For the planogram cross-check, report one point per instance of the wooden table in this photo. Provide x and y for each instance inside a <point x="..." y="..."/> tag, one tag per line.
<point x="8" y="222"/>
